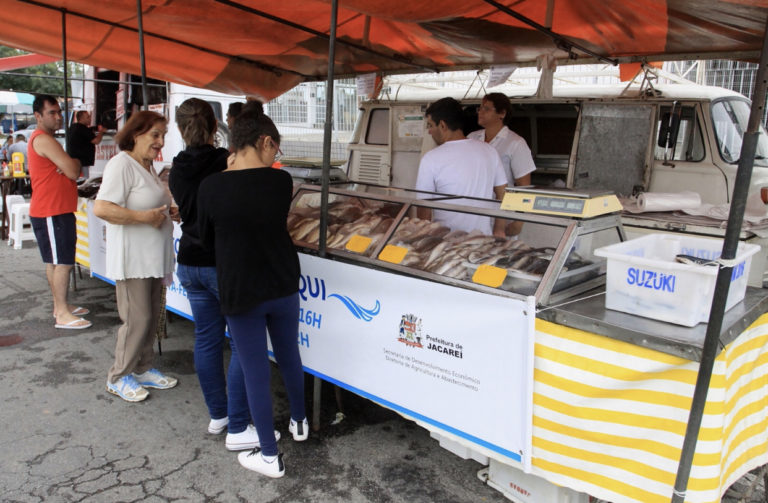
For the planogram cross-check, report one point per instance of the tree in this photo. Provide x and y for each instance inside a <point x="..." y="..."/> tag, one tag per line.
<point x="29" y="83"/>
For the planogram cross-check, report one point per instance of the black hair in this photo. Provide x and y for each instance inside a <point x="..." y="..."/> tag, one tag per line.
<point x="40" y="100"/>
<point x="447" y="110"/>
<point x="251" y="124"/>
<point x="500" y="103"/>
<point x="235" y="108"/>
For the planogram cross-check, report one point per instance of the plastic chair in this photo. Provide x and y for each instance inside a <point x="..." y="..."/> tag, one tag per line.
<point x="19" y="227"/>
<point x="11" y="200"/>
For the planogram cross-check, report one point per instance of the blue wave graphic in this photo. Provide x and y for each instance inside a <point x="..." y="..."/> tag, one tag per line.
<point x="358" y="311"/>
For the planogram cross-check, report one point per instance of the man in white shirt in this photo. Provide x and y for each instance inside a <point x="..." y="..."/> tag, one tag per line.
<point x="459" y="166"/>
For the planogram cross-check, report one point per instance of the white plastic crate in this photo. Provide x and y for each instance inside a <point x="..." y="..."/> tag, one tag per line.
<point x="643" y="277"/>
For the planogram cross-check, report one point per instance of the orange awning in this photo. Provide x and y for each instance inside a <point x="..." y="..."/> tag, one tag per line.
<point x="264" y="48"/>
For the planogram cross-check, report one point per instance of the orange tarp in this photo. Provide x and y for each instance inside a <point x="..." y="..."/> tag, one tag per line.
<point x="263" y="48"/>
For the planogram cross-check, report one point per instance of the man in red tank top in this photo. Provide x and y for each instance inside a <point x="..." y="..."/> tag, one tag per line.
<point x="52" y="208"/>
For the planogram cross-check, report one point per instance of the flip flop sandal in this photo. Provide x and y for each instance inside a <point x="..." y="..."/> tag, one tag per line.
<point x="78" y="311"/>
<point x="73" y="325"/>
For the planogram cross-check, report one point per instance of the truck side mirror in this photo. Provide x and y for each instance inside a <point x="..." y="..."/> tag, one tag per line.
<point x="670" y="125"/>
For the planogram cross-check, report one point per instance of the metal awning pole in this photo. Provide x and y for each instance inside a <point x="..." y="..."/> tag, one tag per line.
<point x="328" y="131"/>
<point x="66" y="82"/>
<point x="730" y="245"/>
<point x="316" y="392"/>
<point x="144" y="93"/>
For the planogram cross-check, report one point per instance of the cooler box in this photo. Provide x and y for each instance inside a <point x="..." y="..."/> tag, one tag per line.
<point x="643" y="277"/>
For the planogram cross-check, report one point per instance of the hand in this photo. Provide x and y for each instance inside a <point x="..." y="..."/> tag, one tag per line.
<point x="156" y="216"/>
<point x="100" y="128"/>
<point x="174" y="213"/>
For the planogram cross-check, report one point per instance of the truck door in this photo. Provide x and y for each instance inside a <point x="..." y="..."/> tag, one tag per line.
<point x="685" y="164"/>
<point x="612" y="147"/>
<point x="369" y="152"/>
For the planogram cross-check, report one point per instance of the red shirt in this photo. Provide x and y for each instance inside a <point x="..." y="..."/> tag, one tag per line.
<point x="52" y="192"/>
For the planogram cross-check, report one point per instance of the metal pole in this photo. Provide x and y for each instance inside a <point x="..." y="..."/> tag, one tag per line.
<point x="730" y="245"/>
<point x="66" y="82"/>
<point x="325" y="181"/>
<point x="328" y="131"/>
<point x="144" y="93"/>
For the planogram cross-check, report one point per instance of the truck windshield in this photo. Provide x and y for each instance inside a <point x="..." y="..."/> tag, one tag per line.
<point x="730" y="118"/>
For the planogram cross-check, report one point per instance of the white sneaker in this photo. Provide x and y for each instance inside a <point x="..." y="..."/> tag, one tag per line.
<point x="299" y="430"/>
<point x="153" y="378"/>
<point x="245" y="440"/>
<point x="128" y="389"/>
<point x="255" y="461"/>
<point x="216" y="426"/>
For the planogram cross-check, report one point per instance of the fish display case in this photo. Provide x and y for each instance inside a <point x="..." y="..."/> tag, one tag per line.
<point x="451" y="240"/>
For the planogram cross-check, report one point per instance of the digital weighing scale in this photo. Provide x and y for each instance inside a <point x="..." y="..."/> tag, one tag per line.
<point x="563" y="202"/>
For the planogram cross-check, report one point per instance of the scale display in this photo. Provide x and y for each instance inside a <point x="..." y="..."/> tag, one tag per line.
<point x="564" y="202"/>
<point x="558" y="204"/>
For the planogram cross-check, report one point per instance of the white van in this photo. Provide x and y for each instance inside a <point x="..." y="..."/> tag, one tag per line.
<point x="175" y="95"/>
<point x="670" y="138"/>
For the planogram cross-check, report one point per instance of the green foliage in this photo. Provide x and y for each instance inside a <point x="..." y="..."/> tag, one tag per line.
<point x="30" y="83"/>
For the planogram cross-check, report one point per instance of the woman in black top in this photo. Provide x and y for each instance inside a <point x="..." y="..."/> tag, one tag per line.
<point x="225" y="396"/>
<point x="242" y="214"/>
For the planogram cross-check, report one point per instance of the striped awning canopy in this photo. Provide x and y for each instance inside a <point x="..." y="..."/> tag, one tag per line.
<point x="263" y="48"/>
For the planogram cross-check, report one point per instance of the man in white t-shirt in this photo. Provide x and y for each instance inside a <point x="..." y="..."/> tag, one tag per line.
<point x="459" y="166"/>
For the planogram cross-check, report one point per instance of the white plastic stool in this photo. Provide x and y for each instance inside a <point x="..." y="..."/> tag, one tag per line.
<point x="10" y="201"/>
<point x="17" y="232"/>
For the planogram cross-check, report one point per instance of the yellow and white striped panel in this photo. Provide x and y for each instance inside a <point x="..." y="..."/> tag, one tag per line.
<point x="82" y="254"/>
<point x="609" y="417"/>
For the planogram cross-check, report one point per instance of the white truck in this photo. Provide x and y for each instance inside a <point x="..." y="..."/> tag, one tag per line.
<point x="668" y="138"/>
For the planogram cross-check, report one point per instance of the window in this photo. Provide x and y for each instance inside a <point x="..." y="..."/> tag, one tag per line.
<point x="730" y="117"/>
<point x="690" y="143"/>
<point x="378" y="127"/>
<point x="216" y="109"/>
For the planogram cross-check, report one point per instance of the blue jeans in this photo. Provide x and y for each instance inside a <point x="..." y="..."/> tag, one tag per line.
<point x="249" y="333"/>
<point x="203" y="294"/>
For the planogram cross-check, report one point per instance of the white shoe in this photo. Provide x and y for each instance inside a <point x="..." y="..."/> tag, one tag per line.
<point x="245" y="440"/>
<point x="153" y="378"/>
<point x="216" y="426"/>
<point x="255" y="461"/>
<point x="299" y="430"/>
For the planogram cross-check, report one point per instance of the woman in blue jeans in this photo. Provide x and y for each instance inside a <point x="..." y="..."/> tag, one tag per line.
<point x="225" y="397"/>
<point x="242" y="213"/>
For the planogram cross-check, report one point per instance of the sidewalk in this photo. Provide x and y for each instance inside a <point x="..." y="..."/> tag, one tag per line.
<point x="64" y="438"/>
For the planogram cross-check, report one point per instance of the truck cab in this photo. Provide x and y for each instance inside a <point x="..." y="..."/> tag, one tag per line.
<point x="597" y="137"/>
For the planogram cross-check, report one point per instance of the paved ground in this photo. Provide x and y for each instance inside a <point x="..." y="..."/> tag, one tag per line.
<point x="64" y="438"/>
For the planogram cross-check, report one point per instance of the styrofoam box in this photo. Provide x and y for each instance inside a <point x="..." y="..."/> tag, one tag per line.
<point x="522" y="487"/>
<point x="643" y="277"/>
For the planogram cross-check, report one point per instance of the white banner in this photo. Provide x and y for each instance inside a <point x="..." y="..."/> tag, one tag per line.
<point x="457" y="359"/>
<point x="97" y="243"/>
<point x="175" y="295"/>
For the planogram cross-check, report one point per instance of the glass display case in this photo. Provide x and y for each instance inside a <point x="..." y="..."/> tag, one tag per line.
<point x="465" y="242"/>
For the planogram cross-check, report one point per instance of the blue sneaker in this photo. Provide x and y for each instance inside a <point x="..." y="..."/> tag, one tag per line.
<point x="153" y="378"/>
<point x="128" y="389"/>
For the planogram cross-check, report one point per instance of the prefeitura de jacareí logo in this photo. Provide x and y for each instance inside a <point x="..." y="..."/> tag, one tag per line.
<point x="410" y="331"/>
